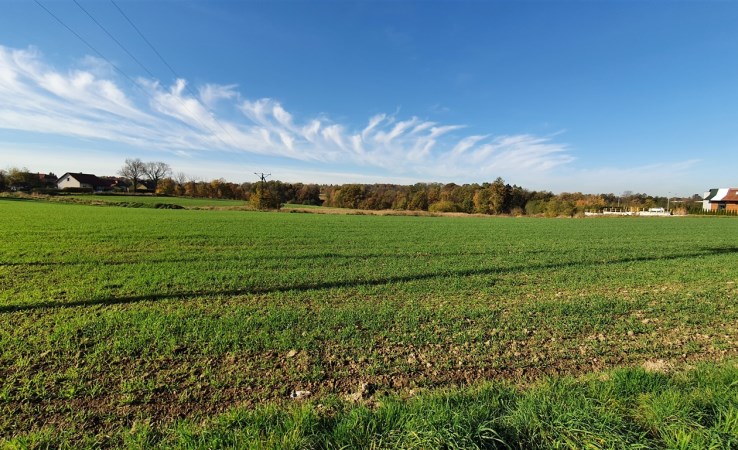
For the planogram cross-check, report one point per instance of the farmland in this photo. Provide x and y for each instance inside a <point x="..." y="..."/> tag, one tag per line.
<point x="190" y="328"/>
<point x="148" y="201"/>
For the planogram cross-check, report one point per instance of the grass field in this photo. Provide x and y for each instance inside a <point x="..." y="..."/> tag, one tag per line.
<point x="190" y="328"/>
<point x="149" y="200"/>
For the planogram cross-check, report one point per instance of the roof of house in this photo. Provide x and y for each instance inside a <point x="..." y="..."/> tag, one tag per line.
<point x="722" y="195"/>
<point x="731" y="196"/>
<point x="87" y="178"/>
<point x="47" y="177"/>
<point x="719" y="195"/>
<point x="149" y="184"/>
<point x="709" y="195"/>
<point x="116" y="181"/>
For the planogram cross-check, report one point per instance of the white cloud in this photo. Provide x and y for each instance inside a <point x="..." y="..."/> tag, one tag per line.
<point x="283" y="117"/>
<point x="90" y="102"/>
<point x="465" y="144"/>
<point x="333" y="134"/>
<point x="210" y="94"/>
<point x="373" y="122"/>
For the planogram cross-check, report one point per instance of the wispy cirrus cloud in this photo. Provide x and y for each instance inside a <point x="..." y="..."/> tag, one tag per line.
<point x="210" y="94"/>
<point x="90" y="102"/>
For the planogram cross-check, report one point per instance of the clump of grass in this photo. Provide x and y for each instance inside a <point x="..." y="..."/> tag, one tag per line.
<point x="167" y="206"/>
<point x="625" y="408"/>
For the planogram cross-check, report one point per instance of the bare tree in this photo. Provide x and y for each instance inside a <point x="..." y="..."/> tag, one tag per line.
<point x="181" y="178"/>
<point x="133" y="169"/>
<point x="155" y="171"/>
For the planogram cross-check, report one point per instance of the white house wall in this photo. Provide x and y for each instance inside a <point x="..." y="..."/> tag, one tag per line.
<point x="68" y="182"/>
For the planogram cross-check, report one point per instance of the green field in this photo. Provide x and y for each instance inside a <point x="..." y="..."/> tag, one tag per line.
<point x="190" y="328"/>
<point x="149" y="200"/>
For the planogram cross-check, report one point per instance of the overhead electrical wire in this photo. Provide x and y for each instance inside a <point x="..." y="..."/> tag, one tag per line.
<point x="166" y="63"/>
<point x="118" y="69"/>
<point x="151" y="46"/>
<point x="114" y="39"/>
<point x="146" y="69"/>
<point x="124" y="74"/>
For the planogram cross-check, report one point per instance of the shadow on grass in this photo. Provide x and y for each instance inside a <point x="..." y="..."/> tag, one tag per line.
<point x="256" y="258"/>
<point x="301" y="287"/>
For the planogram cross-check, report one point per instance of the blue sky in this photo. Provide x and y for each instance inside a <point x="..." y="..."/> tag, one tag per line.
<point x="563" y="96"/>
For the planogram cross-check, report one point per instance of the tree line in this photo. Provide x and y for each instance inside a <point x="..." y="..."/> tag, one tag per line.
<point x="297" y="193"/>
<point x="165" y="182"/>
<point x="496" y="197"/>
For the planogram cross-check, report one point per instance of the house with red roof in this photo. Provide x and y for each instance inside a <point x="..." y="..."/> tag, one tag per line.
<point x="721" y="199"/>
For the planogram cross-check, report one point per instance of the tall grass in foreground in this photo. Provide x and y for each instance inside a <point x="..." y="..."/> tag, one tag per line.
<point x="625" y="408"/>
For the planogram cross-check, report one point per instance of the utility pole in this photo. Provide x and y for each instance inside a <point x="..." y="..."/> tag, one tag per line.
<point x="263" y="176"/>
<point x="264" y="199"/>
<point x="668" y="198"/>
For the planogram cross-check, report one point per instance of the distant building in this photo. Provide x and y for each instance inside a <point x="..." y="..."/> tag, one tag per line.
<point x="47" y="180"/>
<point x="146" y="186"/>
<point x="82" y="181"/>
<point x="720" y="199"/>
<point x="117" y="184"/>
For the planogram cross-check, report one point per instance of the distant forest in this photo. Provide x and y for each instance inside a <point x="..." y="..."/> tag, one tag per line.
<point x="496" y="197"/>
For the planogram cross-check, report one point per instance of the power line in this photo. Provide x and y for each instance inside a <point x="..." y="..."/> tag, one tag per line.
<point x="119" y="70"/>
<point x="169" y="66"/>
<point x="181" y="102"/>
<point x="113" y="38"/>
<point x="151" y="46"/>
